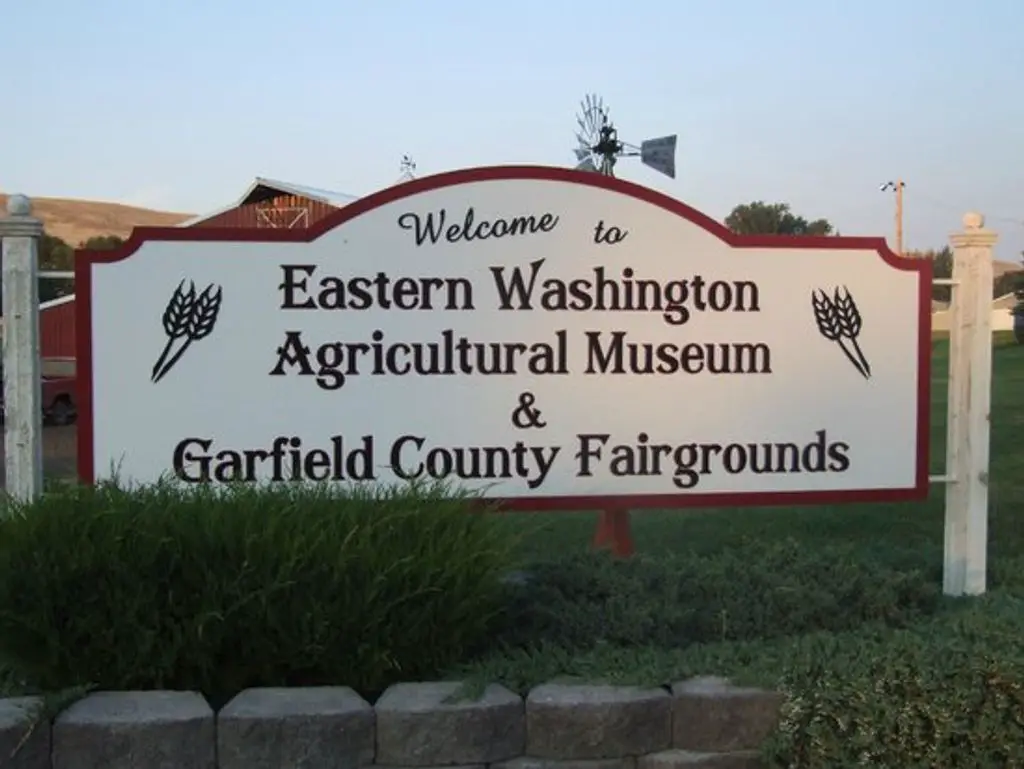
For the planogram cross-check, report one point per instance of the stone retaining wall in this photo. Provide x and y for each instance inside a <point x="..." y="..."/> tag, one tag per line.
<point x="703" y="723"/>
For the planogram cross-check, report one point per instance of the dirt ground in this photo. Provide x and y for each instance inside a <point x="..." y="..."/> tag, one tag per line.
<point x="59" y="452"/>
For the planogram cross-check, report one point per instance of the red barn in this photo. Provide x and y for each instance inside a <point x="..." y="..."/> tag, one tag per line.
<point x="276" y="205"/>
<point x="265" y="204"/>
<point x="57" y="327"/>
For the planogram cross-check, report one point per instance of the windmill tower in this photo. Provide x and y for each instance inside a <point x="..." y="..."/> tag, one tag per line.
<point x="407" y="169"/>
<point x="599" y="146"/>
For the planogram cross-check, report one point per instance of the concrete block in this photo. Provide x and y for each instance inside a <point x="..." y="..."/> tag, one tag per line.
<point x="136" y="730"/>
<point x="711" y="715"/>
<point x="527" y="762"/>
<point x="686" y="759"/>
<point x="575" y="721"/>
<point x="24" y="738"/>
<point x="328" y="727"/>
<point x="417" y="726"/>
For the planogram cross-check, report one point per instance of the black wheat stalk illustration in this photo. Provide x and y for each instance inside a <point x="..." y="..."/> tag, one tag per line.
<point x="839" y="321"/>
<point x="851" y="322"/>
<point x="188" y="318"/>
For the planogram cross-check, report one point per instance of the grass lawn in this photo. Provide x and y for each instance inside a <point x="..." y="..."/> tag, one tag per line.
<point x="903" y="539"/>
<point x="900" y="527"/>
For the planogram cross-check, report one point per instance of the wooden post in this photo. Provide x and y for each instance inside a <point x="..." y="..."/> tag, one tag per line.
<point x="614" y="531"/>
<point x="23" y="413"/>
<point x="970" y="385"/>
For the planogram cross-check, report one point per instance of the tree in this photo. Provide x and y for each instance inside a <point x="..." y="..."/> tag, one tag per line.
<point x="1011" y="281"/>
<point x="760" y="218"/>
<point x="942" y="259"/>
<point x="102" y="243"/>
<point x="942" y="268"/>
<point x="55" y="255"/>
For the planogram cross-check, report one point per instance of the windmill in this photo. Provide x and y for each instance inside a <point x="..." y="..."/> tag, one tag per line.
<point x="407" y="169"/>
<point x="599" y="145"/>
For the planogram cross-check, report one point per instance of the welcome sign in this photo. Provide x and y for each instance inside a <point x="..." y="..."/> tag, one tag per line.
<point x="554" y="338"/>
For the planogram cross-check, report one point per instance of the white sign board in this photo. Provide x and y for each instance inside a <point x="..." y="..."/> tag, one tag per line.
<point x="552" y="337"/>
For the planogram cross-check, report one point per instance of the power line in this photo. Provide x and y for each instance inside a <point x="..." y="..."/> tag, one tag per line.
<point x="898" y="186"/>
<point x="928" y="198"/>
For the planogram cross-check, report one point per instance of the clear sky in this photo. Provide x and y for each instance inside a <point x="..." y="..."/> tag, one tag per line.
<point x="178" y="104"/>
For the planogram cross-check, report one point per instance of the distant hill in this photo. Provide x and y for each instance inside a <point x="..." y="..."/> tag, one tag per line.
<point x="1001" y="268"/>
<point x="75" y="221"/>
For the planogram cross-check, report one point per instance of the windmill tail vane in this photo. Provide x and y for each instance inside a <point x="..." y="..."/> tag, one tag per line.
<point x="599" y="146"/>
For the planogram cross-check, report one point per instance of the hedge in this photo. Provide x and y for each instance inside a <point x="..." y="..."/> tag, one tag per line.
<point x="877" y="669"/>
<point x="947" y="693"/>
<point x="755" y="591"/>
<point x="169" y="587"/>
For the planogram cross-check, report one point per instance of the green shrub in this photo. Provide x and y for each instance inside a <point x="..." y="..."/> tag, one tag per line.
<point x="948" y="693"/>
<point x="944" y="693"/>
<point x="757" y="591"/>
<point x="165" y="587"/>
<point x="1006" y="573"/>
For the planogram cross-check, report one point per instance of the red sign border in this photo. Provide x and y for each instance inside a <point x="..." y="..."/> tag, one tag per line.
<point x="84" y="261"/>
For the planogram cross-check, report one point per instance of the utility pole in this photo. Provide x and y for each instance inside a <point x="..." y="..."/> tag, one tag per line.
<point x="897" y="186"/>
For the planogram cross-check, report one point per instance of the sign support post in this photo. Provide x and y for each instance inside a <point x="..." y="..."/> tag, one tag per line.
<point x="614" y="532"/>
<point x="23" y="416"/>
<point x="970" y="388"/>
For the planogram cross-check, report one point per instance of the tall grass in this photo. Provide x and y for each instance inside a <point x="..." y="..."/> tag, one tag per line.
<point x="217" y="590"/>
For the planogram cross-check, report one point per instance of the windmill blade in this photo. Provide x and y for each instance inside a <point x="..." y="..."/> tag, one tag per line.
<point x="582" y="152"/>
<point x="585" y="140"/>
<point x="660" y="154"/>
<point x="594" y="116"/>
<point x="583" y="120"/>
<point x="587" y="164"/>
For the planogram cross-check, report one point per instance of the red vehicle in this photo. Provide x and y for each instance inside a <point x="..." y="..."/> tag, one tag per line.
<point x="58" y="396"/>
<point x="59" y="401"/>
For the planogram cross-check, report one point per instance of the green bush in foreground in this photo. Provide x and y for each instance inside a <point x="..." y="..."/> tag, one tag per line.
<point x="944" y="692"/>
<point x="166" y="587"/>
<point x="948" y="694"/>
<point x="756" y="591"/>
